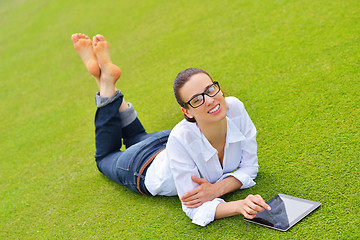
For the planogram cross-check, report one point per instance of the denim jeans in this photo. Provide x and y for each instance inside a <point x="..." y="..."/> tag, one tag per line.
<point x="124" y="167"/>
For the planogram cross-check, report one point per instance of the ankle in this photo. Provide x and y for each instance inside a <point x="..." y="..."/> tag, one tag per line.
<point x="107" y="91"/>
<point x="103" y="101"/>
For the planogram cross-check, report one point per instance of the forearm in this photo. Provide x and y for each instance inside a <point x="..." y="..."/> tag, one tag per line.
<point x="207" y="192"/>
<point x="248" y="207"/>
<point x="227" y="209"/>
<point x="227" y="185"/>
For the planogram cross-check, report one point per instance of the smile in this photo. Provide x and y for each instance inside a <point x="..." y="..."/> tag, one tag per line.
<point x="215" y="109"/>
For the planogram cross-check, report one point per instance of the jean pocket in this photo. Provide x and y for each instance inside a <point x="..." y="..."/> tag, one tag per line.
<point x="129" y="156"/>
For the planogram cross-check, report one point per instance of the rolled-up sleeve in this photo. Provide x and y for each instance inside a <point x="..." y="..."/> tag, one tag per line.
<point x="204" y="214"/>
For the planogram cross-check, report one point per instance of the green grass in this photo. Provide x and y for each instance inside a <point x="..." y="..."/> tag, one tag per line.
<point x="295" y="65"/>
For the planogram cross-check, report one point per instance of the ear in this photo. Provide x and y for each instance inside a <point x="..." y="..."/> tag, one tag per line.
<point x="186" y="112"/>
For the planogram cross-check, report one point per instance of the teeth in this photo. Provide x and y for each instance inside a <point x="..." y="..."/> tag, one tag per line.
<point x="215" y="109"/>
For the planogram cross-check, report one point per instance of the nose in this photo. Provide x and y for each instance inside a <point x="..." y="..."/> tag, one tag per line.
<point x="208" y="100"/>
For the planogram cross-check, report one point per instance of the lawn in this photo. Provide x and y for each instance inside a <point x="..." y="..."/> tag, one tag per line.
<point x="294" y="64"/>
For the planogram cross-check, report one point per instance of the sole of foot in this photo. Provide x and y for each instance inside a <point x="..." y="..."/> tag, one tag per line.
<point x="109" y="71"/>
<point x="84" y="47"/>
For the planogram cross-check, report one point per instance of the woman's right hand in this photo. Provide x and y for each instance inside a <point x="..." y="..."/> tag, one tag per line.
<point x="251" y="205"/>
<point x="248" y="207"/>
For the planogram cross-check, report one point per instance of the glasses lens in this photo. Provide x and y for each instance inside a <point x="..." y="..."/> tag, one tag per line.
<point x="213" y="90"/>
<point x="197" y="101"/>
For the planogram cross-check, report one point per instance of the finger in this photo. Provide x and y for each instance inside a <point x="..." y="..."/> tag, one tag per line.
<point x="255" y="207"/>
<point x="260" y="201"/>
<point x="250" y="211"/>
<point x="248" y="216"/>
<point x="198" y="180"/>
<point x="189" y="194"/>
<point x="251" y="201"/>
<point x="191" y="199"/>
<point x="193" y="202"/>
<point x="194" y="205"/>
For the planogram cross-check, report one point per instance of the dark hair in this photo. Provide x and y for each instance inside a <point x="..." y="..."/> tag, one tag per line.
<point x="179" y="82"/>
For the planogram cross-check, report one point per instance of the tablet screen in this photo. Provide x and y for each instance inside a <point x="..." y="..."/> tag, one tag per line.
<point x="285" y="212"/>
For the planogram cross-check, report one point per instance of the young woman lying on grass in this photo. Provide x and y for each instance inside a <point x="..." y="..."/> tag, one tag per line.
<point x="212" y="152"/>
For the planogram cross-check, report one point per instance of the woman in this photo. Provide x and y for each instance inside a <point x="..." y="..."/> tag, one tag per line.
<point x="209" y="154"/>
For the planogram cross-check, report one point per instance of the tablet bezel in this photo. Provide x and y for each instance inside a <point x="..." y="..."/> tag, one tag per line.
<point x="314" y="206"/>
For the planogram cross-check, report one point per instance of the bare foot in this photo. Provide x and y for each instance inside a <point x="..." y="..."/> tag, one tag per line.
<point x="110" y="73"/>
<point x="84" y="48"/>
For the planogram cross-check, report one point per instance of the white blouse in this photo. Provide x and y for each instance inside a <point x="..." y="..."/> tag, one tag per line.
<point x="188" y="153"/>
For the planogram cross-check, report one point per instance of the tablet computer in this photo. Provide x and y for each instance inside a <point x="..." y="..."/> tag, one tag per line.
<point x="285" y="212"/>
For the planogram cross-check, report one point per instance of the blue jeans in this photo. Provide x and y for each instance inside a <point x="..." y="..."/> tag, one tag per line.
<point x="128" y="167"/>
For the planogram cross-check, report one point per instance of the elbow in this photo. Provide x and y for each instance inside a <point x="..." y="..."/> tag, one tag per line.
<point x="255" y="173"/>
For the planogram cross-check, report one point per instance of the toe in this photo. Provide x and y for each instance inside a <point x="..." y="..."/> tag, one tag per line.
<point x="75" y="37"/>
<point x="95" y="40"/>
<point x="100" y="37"/>
<point x="84" y="36"/>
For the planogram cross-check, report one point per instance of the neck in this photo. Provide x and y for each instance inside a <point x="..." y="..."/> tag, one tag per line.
<point x="215" y="133"/>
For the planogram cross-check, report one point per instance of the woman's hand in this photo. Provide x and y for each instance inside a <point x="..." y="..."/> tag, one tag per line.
<point x="248" y="207"/>
<point x="251" y="205"/>
<point x="199" y="195"/>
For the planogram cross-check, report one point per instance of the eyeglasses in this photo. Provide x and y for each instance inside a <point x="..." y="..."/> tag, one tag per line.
<point x="199" y="99"/>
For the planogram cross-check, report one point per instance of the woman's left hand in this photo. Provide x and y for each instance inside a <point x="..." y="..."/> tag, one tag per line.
<point x="199" y="195"/>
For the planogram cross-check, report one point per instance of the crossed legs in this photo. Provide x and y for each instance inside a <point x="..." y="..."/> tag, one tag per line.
<point x="115" y="120"/>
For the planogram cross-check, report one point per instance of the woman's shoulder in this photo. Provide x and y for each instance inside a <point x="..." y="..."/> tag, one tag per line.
<point x="234" y="105"/>
<point x="183" y="137"/>
<point x="185" y="128"/>
<point x="233" y="100"/>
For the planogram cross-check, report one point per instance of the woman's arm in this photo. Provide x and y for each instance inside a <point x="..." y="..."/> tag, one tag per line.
<point x="181" y="150"/>
<point x="248" y="167"/>
<point x="248" y="207"/>
<point x="207" y="191"/>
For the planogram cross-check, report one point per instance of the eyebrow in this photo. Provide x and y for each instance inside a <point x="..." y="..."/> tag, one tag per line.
<point x="202" y="92"/>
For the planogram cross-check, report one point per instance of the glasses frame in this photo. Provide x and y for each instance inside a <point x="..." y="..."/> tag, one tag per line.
<point x="203" y="95"/>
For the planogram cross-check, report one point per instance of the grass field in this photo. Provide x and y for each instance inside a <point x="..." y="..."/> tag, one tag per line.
<point x="294" y="64"/>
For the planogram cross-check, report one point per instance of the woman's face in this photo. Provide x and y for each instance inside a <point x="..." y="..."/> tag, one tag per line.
<point x="213" y="109"/>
